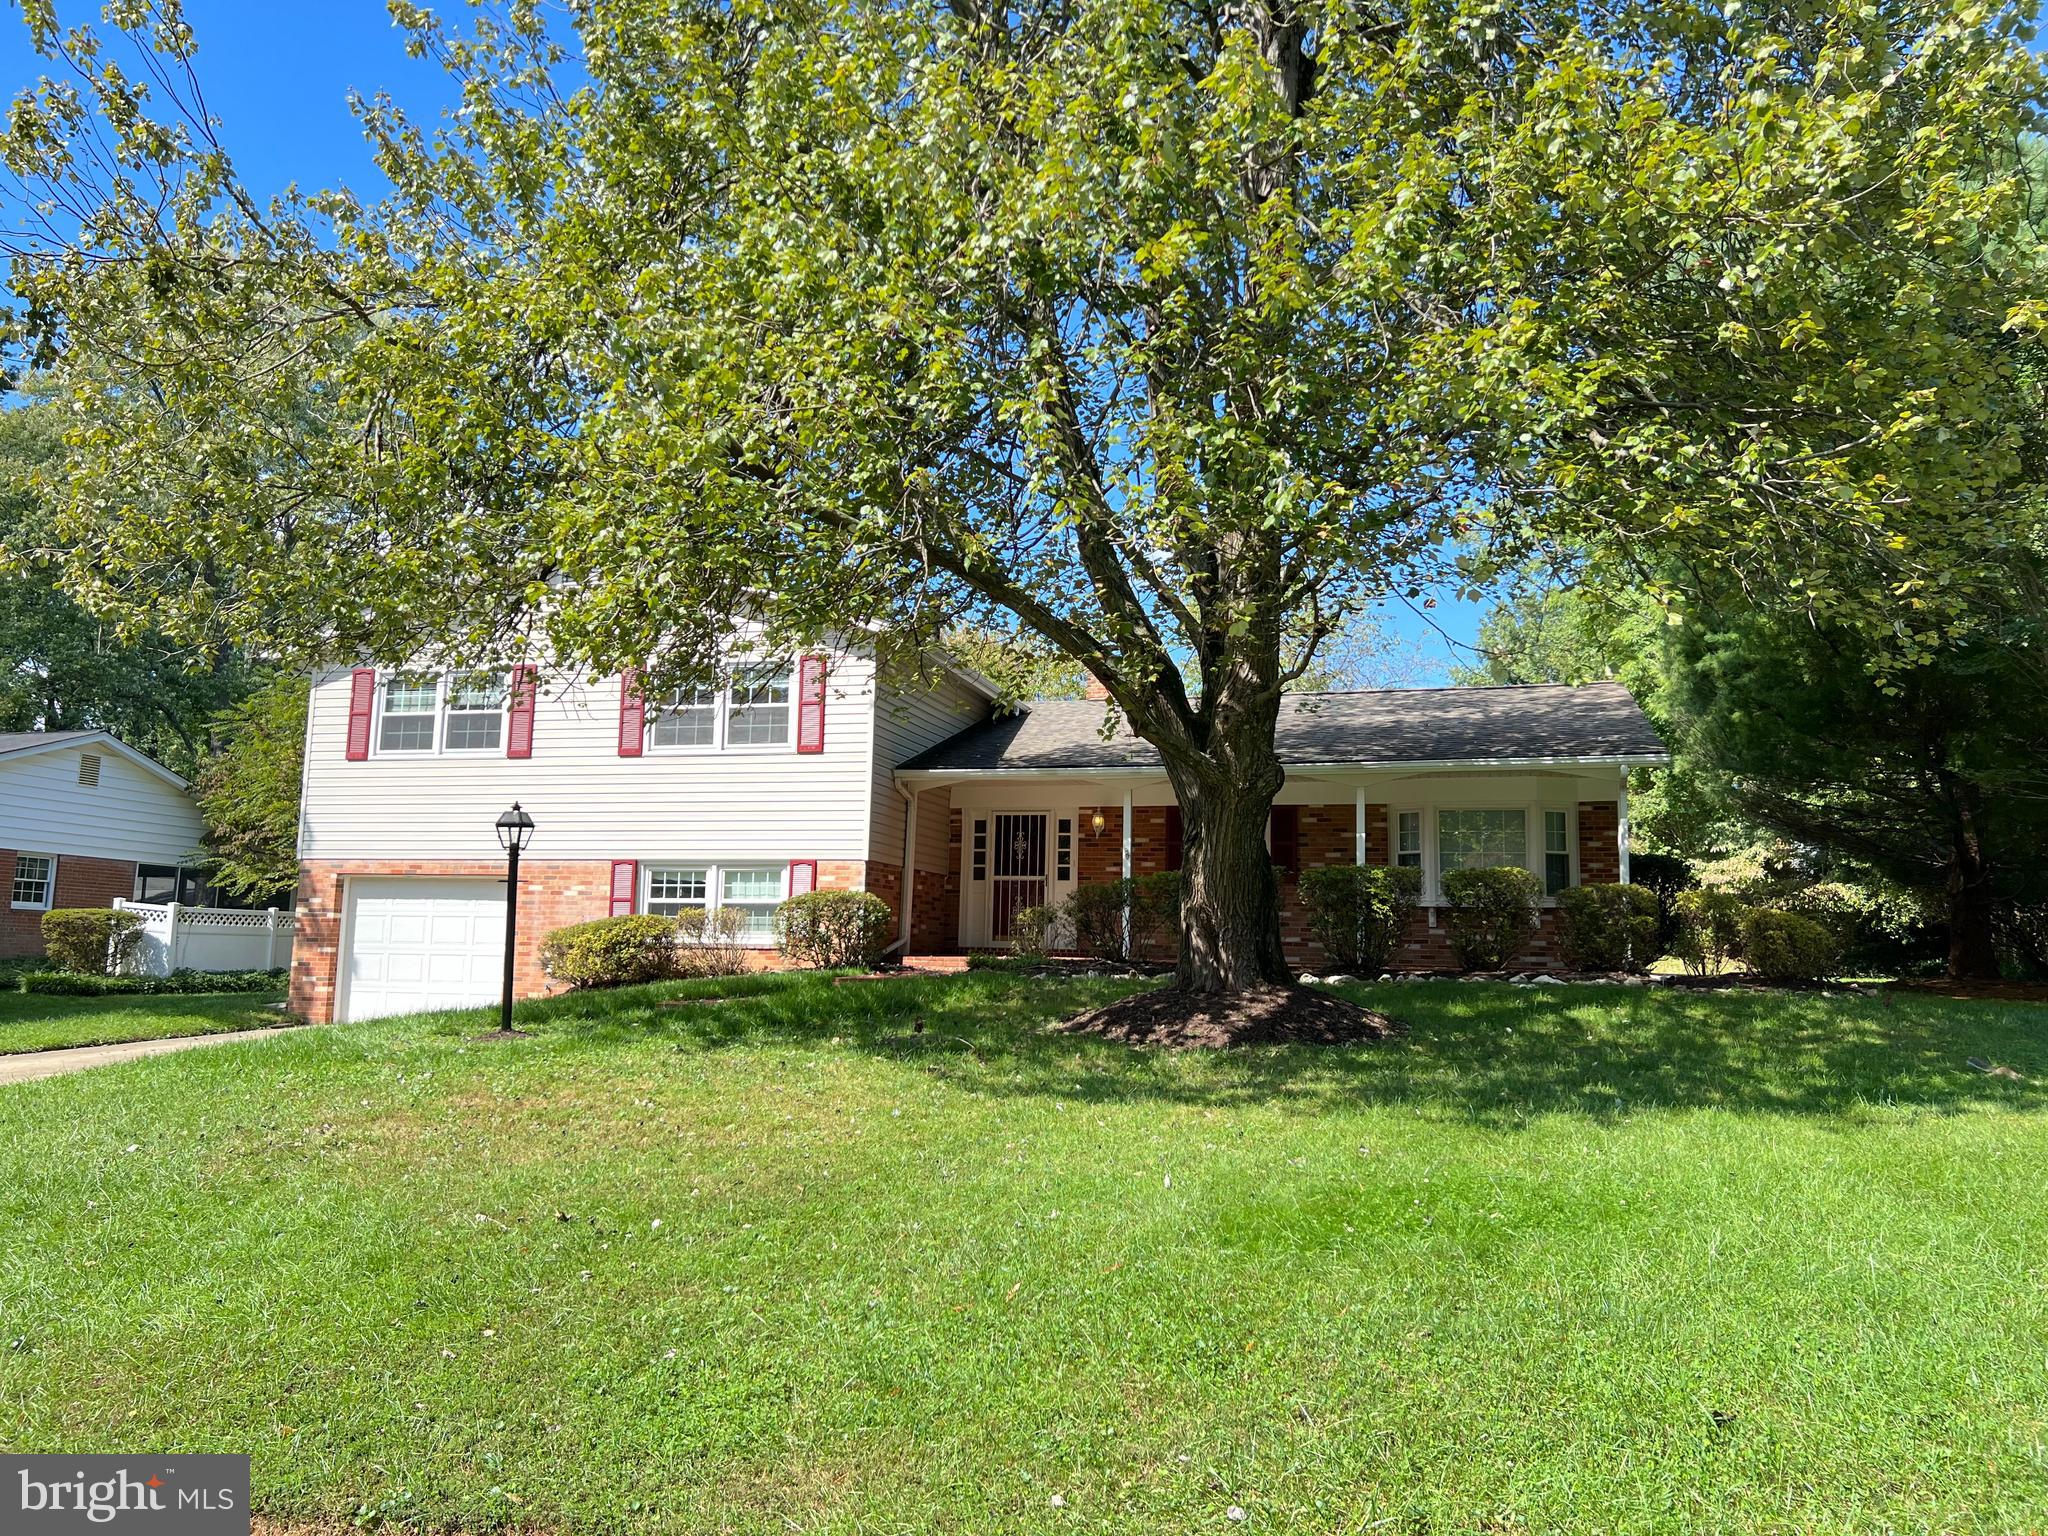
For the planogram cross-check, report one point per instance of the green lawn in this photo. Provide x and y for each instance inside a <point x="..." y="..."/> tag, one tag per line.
<point x="30" y="1023"/>
<point x="1592" y="1260"/>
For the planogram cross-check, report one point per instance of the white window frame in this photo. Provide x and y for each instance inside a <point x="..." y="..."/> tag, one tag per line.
<point x="1394" y="851"/>
<point x="49" y="881"/>
<point x="1532" y="835"/>
<point x="722" y="706"/>
<point x="1570" y="814"/>
<point x="444" y="686"/>
<point x="715" y="871"/>
<point x="715" y="705"/>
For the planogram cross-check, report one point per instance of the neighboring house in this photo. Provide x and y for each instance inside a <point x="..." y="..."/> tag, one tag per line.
<point x="84" y="820"/>
<point x="819" y="774"/>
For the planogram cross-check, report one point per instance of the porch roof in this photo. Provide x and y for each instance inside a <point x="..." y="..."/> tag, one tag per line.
<point x="1386" y="727"/>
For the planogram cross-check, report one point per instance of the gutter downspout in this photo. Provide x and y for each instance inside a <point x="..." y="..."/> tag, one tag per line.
<point x="909" y="862"/>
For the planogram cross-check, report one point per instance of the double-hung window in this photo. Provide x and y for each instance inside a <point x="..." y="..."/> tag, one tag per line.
<point x="676" y="888"/>
<point x="411" y="707"/>
<point x="34" y="875"/>
<point x="688" y="719"/>
<point x="1557" y="852"/>
<point x="476" y="713"/>
<point x="1481" y="840"/>
<point x="759" y="716"/>
<point x="1408" y="839"/>
<point x="757" y="892"/>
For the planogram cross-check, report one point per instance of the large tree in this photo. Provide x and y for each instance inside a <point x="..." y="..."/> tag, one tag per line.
<point x="1172" y="331"/>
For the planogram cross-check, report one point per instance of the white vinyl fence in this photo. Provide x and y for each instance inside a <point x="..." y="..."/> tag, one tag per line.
<point x="179" y="938"/>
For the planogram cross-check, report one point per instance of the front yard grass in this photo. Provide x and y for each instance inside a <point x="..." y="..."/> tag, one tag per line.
<point x="1562" y="1259"/>
<point x="34" y="1023"/>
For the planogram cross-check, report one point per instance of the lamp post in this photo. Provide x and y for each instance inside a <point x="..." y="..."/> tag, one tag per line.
<point x="515" y="831"/>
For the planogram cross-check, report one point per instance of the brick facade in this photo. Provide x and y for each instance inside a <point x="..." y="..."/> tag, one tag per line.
<point x="81" y="882"/>
<point x="1599" y="842"/>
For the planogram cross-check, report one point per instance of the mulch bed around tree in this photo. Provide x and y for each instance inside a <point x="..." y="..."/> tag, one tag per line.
<point x="1992" y="991"/>
<point x="1177" y="1020"/>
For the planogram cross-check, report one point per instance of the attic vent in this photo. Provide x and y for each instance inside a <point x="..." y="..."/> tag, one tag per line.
<point x="89" y="769"/>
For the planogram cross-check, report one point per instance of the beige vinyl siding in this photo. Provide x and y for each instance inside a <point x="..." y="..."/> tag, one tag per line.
<point x="934" y="817"/>
<point x="767" y="804"/>
<point x="914" y="715"/>
<point x="130" y="814"/>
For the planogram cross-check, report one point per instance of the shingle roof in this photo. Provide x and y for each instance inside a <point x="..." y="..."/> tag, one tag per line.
<point x="15" y="741"/>
<point x="1388" y="726"/>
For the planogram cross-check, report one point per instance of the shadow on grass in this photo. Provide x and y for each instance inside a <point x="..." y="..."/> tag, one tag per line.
<point x="1484" y="1052"/>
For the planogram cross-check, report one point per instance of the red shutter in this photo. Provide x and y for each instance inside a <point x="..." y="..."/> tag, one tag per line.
<point x="1175" y="839"/>
<point x="519" y="732"/>
<point x="362" y="699"/>
<point x="803" y="877"/>
<point x="1286" y="837"/>
<point x="625" y="886"/>
<point x="632" y="714"/>
<point x="810" y="704"/>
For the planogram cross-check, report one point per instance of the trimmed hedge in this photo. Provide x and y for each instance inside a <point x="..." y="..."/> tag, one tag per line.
<point x="834" y="930"/>
<point x="90" y="941"/>
<point x="178" y="983"/>
<point x="612" y="951"/>
<point x="1605" y="927"/>
<point x="1358" y="912"/>
<point x="1492" y="911"/>
<point x="1784" y="946"/>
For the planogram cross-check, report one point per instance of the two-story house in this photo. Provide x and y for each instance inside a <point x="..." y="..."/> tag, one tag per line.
<point x="820" y="773"/>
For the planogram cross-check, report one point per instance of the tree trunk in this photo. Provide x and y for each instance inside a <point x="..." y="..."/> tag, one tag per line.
<point x="1971" y="953"/>
<point x="1230" y="894"/>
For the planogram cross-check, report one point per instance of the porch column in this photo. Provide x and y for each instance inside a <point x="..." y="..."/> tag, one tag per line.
<point x="1127" y="871"/>
<point x="1621" y="826"/>
<point x="1358" y="828"/>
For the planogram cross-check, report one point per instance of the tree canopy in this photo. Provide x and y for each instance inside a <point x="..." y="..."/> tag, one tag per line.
<point x="1171" y="332"/>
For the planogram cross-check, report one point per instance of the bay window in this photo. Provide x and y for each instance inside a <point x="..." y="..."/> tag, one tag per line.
<point x="1481" y="840"/>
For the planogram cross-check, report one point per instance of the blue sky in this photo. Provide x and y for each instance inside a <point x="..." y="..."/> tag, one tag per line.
<point x="277" y="73"/>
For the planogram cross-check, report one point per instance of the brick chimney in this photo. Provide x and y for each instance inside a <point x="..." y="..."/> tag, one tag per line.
<point x="1093" y="688"/>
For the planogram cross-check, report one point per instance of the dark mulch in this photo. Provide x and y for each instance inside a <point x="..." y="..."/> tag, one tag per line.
<point x="1177" y="1020"/>
<point x="1995" y="991"/>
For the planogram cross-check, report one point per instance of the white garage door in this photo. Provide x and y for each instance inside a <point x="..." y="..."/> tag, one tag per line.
<point x="421" y="944"/>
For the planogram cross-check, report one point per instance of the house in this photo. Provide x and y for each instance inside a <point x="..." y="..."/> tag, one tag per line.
<point x="86" y="819"/>
<point x="821" y="773"/>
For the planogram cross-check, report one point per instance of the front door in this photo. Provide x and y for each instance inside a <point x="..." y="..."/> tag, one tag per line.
<point x="1017" y="876"/>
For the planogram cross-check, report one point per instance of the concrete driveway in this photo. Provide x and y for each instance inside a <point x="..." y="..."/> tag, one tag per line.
<point x="27" y="1066"/>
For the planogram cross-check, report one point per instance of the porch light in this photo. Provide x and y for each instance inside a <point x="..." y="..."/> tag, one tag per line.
<point x="1097" y="823"/>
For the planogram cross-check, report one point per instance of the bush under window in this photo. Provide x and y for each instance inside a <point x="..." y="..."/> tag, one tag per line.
<point x="1358" y="912"/>
<point x="711" y="943"/>
<point x="612" y="952"/>
<point x="90" y="941"/>
<point x="1607" y="927"/>
<point x="1784" y="946"/>
<point x="1095" y="913"/>
<point x="1491" y="913"/>
<point x="834" y="930"/>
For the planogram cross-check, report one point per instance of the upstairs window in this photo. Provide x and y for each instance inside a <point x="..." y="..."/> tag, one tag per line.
<point x="34" y="874"/>
<point x="688" y="719"/>
<point x="476" y="713"/>
<point x="759" y="716"/>
<point x="411" y="702"/>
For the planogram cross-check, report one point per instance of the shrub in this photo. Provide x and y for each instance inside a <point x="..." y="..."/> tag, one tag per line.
<point x="90" y="941"/>
<point x="1784" y="946"/>
<point x="611" y="952"/>
<point x="1491" y="913"/>
<point x="72" y="984"/>
<point x="1668" y="876"/>
<point x="1607" y="927"/>
<point x="1031" y="930"/>
<point x="710" y="943"/>
<point x="834" y="930"/>
<point x="1709" y="930"/>
<point x="1096" y="915"/>
<point x="1358" y="912"/>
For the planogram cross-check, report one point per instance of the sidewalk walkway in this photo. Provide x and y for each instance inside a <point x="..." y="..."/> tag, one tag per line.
<point x="27" y="1066"/>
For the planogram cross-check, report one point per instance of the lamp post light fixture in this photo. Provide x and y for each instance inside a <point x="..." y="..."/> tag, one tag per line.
<point x="515" y="831"/>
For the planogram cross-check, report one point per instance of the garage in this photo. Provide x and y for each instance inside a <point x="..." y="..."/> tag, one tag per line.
<point x="414" y="945"/>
